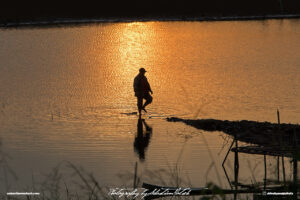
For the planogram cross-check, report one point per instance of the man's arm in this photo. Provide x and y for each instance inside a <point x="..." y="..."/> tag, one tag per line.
<point x="148" y="85"/>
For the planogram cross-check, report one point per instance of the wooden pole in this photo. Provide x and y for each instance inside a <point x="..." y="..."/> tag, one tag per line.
<point x="282" y="157"/>
<point x="135" y="175"/>
<point x="265" y="178"/>
<point x="295" y="173"/>
<point x="278" y="117"/>
<point x="283" y="169"/>
<point x="278" y="172"/>
<point x="236" y="168"/>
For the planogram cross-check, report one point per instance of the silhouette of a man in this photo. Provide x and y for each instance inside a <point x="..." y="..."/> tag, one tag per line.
<point x="142" y="89"/>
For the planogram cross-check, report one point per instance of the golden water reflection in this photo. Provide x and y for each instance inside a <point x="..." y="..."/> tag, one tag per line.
<point x="69" y="96"/>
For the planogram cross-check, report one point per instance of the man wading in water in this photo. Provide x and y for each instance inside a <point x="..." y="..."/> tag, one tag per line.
<point x="141" y="89"/>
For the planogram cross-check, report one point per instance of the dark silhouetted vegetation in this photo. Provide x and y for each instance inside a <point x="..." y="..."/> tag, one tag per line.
<point x="17" y="13"/>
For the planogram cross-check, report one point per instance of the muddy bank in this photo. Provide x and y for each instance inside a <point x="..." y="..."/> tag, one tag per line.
<point x="260" y="133"/>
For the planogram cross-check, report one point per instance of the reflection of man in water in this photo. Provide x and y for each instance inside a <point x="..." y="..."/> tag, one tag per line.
<point x="141" y="89"/>
<point x="142" y="140"/>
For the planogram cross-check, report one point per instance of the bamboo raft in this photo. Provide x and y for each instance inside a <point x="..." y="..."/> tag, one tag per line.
<point x="268" y="150"/>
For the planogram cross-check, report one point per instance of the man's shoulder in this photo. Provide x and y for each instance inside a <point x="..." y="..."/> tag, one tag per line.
<point x="136" y="77"/>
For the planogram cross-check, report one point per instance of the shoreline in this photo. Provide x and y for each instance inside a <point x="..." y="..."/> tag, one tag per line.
<point x="57" y="22"/>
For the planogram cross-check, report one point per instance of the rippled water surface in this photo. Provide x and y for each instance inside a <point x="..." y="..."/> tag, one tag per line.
<point x="64" y="92"/>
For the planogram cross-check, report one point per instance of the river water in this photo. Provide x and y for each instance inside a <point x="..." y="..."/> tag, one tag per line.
<point x="66" y="96"/>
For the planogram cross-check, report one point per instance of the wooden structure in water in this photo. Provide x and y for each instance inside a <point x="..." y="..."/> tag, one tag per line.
<point x="263" y="138"/>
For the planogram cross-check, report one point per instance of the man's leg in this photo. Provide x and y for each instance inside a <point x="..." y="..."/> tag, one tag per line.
<point x="140" y="103"/>
<point x="148" y="98"/>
